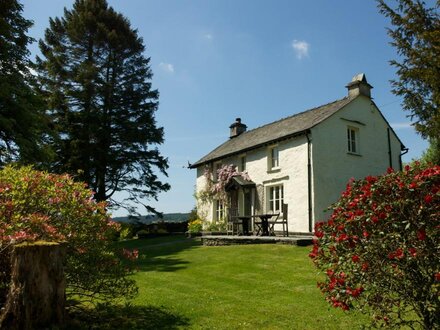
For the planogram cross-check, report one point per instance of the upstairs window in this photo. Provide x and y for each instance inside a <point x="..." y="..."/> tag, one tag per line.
<point x="217" y="166"/>
<point x="276" y="198"/>
<point x="353" y="140"/>
<point x="274" y="160"/>
<point x="242" y="164"/>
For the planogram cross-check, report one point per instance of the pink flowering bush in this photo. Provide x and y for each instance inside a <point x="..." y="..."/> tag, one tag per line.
<point x="380" y="249"/>
<point x="41" y="206"/>
<point x="215" y="189"/>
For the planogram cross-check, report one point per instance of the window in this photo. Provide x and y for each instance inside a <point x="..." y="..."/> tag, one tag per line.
<point x="219" y="210"/>
<point x="274" y="158"/>
<point x="276" y="198"/>
<point x="243" y="163"/>
<point x="353" y="140"/>
<point x="217" y="166"/>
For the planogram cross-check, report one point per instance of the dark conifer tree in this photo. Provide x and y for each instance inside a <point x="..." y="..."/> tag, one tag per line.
<point x="23" y="126"/>
<point x="415" y="34"/>
<point x="98" y="86"/>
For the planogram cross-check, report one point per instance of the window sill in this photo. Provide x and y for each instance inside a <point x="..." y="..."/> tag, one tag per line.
<point x="354" y="154"/>
<point x="274" y="170"/>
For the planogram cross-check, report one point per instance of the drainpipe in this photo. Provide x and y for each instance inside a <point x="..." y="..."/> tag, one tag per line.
<point x="309" y="180"/>
<point x="404" y="151"/>
<point x="390" y="156"/>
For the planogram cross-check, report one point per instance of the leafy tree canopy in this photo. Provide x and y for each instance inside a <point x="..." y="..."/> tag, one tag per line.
<point x="23" y="125"/>
<point x="98" y="86"/>
<point x="416" y="36"/>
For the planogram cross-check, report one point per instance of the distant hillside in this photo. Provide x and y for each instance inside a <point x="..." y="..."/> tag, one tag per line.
<point x="147" y="219"/>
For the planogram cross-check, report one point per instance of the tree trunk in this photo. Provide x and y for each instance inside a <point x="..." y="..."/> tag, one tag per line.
<point x="36" y="296"/>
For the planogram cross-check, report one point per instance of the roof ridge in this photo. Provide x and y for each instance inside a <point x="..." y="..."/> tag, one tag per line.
<point x="296" y="114"/>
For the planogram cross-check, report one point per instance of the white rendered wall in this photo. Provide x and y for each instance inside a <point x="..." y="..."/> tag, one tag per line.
<point x="292" y="173"/>
<point x="333" y="166"/>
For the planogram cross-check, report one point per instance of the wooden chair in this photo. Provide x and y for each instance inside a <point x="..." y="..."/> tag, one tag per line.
<point x="280" y="220"/>
<point x="284" y="220"/>
<point x="233" y="223"/>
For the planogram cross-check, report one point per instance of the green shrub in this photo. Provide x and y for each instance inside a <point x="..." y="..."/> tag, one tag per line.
<point x="216" y="226"/>
<point x="195" y="226"/>
<point x="41" y="206"/>
<point x="380" y="249"/>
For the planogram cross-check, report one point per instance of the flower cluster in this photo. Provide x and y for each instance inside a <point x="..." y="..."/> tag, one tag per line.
<point x="381" y="247"/>
<point x="37" y="205"/>
<point x="215" y="189"/>
<point x="131" y="255"/>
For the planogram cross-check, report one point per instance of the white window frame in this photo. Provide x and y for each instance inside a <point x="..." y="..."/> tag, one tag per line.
<point x="353" y="140"/>
<point x="275" y="198"/>
<point x="219" y="211"/>
<point x="273" y="158"/>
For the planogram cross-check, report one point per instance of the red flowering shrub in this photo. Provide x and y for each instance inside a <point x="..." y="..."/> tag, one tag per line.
<point x="40" y="206"/>
<point x="380" y="250"/>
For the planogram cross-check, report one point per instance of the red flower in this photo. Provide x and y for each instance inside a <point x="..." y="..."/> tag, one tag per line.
<point x="342" y="237"/>
<point x="375" y="219"/>
<point x="355" y="293"/>
<point x="365" y="266"/>
<point x="390" y="170"/>
<point x="398" y="254"/>
<point x="355" y="258"/>
<point x="382" y="215"/>
<point x="407" y="168"/>
<point x="421" y="234"/>
<point x="412" y="252"/>
<point x="437" y="276"/>
<point x="314" y="253"/>
<point x="371" y="179"/>
<point x="365" y="234"/>
<point x="428" y="199"/>
<point x="359" y="213"/>
<point x="413" y="185"/>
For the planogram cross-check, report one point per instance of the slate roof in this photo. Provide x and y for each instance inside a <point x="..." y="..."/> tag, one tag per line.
<point x="279" y="130"/>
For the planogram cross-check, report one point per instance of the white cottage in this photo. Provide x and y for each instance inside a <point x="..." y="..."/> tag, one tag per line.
<point x="305" y="160"/>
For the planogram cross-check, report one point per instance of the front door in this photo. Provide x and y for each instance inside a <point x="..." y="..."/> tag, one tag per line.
<point x="234" y="199"/>
<point x="247" y="200"/>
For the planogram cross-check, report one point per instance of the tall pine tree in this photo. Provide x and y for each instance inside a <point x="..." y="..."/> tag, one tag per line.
<point x="98" y="86"/>
<point x="23" y="126"/>
<point x="415" y="34"/>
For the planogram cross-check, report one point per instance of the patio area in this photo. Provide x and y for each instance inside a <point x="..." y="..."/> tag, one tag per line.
<point x="294" y="239"/>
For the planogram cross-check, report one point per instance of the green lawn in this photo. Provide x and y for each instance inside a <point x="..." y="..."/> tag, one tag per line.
<point x="184" y="285"/>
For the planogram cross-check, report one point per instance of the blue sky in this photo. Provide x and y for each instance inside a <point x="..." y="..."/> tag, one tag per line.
<point x="259" y="60"/>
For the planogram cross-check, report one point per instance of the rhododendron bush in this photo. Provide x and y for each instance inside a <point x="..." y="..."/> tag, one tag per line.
<point x="380" y="249"/>
<point x="40" y="206"/>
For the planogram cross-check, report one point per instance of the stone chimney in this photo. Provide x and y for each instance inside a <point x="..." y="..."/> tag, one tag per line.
<point x="237" y="128"/>
<point x="359" y="86"/>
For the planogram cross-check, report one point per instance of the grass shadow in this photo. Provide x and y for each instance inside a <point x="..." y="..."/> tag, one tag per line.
<point x="125" y="317"/>
<point x="161" y="255"/>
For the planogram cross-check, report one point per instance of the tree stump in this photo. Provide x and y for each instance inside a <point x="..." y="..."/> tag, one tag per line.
<point x="36" y="296"/>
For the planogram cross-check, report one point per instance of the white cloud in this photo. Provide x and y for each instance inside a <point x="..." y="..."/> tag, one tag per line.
<point x="401" y="125"/>
<point x="208" y="36"/>
<point x="167" y="67"/>
<point x="301" y="48"/>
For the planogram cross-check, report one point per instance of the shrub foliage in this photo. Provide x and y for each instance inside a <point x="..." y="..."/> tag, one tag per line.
<point x="41" y="206"/>
<point x="380" y="250"/>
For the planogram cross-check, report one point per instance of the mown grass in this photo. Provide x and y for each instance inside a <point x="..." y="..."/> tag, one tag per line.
<point x="183" y="285"/>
